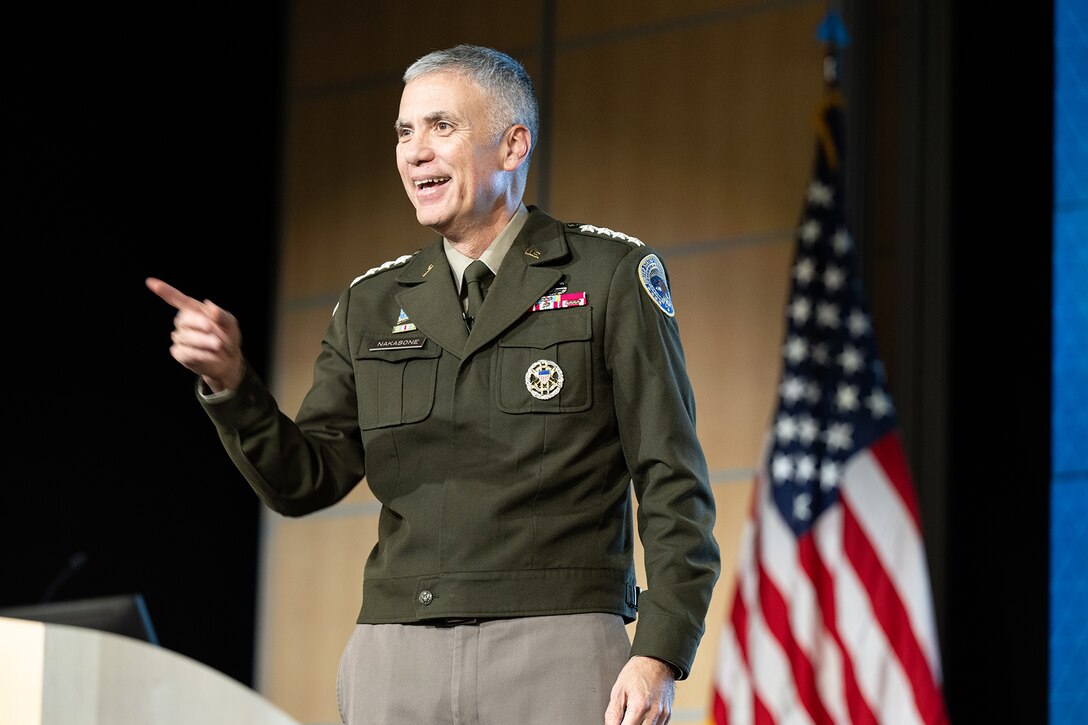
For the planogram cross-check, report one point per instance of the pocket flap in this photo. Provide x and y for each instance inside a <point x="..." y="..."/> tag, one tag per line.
<point x="551" y="327"/>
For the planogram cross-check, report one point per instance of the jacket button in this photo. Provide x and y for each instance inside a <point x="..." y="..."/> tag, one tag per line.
<point x="425" y="597"/>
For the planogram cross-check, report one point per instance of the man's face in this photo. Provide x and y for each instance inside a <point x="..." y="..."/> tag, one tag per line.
<point x="449" y="158"/>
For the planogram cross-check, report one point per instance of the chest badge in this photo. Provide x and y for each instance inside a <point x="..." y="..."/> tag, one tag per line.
<point x="544" y="379"/>
<point x="403" y="324"/>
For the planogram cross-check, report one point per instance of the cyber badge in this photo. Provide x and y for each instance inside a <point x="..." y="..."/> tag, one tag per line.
<point x="544" y="379"/>
<point x="403" y="324"/>
<point x="652" y="276"/>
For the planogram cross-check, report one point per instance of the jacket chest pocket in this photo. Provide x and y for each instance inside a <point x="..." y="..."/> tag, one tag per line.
<point x="546" y="364"/>
<point x="395" y="385"/>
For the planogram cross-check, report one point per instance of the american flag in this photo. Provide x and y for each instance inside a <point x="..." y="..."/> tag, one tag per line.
<point x="832" y="618"/>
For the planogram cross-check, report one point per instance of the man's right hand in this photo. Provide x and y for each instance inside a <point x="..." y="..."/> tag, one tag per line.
<point x="206" y="338"/>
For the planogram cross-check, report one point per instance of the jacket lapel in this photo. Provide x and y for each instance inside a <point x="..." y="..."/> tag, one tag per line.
<point x="430" y="300"/>
<point x="526" y="274"/>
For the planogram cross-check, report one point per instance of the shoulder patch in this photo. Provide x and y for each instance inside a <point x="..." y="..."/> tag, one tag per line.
<point x="652" y="276"/>
<point x="398" y="262"/>
<point x="605" y="232"/>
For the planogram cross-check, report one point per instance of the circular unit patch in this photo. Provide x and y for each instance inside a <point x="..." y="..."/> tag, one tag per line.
<point x="652" y="276"/>
<point x="544" y="379"/>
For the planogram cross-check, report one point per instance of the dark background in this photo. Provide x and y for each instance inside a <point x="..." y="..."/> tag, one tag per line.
<point x="999" y="365"/>
<point x="141" y="140"/>
<point x="145" y="140"/>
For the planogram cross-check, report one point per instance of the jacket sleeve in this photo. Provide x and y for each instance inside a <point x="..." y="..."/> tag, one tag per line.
<point x="655" y="407"/>
<point x="302" y="465"/>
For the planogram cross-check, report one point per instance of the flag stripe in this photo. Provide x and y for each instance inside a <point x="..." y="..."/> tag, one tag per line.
<point x="768" y="662"/>
<point x="893" y="617"/>
<point x="837" y="686"/>
<point x="777" y="616"/>
<point x="882" y="682"/>
<point x="791" y="623"/>
<point x="889" y="451"/>
<point x="886" y="519"/>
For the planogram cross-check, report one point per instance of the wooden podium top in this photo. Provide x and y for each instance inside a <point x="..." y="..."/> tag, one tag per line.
<point x="55" y="674"/>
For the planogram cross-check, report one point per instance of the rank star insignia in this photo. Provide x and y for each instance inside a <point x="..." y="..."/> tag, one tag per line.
<point x="605" y="231"/>
<point x="544" y="379"/>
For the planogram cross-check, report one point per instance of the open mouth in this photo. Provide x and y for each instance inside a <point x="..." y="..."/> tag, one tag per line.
<point x="431" y="183"/>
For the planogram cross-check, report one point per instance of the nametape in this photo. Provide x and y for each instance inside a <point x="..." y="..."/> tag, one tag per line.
<point x="398" y="343"/>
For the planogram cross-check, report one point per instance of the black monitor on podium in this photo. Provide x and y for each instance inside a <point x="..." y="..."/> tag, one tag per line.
<point x="124" y="614"/>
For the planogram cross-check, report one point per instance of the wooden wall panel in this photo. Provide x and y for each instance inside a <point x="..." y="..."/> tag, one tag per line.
<point x="689" y="134"/>
<point x="730" y="306"/>
<point x="687" y="124"/>
<point x="590" y="22"/>
<point x="336" y="44"/>
<point x="345" y="209"/>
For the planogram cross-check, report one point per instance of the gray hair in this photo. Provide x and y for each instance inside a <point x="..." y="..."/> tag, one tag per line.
<point x="504" y="79"/>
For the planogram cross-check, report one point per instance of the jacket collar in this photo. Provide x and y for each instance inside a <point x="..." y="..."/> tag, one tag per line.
<point x="528" y="271"/>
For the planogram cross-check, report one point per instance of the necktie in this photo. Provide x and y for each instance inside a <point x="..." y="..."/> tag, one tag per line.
<point x="477" y="277"/>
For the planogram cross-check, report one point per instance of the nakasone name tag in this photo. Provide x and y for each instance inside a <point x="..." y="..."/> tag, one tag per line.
<point x="400" y="342"/>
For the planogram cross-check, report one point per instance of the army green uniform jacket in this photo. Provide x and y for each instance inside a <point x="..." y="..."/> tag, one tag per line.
<point x="503" y="459"/>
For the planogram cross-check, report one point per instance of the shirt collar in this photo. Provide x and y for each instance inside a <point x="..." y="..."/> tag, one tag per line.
<point x="495" y="251"/>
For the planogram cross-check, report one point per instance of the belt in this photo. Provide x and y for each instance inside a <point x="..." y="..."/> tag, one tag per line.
<point x="444" y="622"/>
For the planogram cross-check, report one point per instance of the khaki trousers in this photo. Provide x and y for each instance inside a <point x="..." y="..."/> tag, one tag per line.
<point x="554" y="670"/>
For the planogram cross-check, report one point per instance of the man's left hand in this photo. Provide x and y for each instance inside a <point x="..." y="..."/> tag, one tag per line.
<point x="642" y="694"/>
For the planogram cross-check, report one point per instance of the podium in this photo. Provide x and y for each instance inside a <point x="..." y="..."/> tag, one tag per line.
<point x="56" y="674"/>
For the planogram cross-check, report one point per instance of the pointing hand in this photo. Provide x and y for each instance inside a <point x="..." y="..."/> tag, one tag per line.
<point x="206" y="338"/>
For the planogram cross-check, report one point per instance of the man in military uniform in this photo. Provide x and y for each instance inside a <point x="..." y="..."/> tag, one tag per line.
<point x="503" y="391"/>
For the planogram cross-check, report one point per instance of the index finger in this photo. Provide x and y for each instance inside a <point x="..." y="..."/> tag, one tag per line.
<point x="172" y="295"/>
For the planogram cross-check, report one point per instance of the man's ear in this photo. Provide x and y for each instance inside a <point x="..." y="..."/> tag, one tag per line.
<point x="516" y="143"/>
